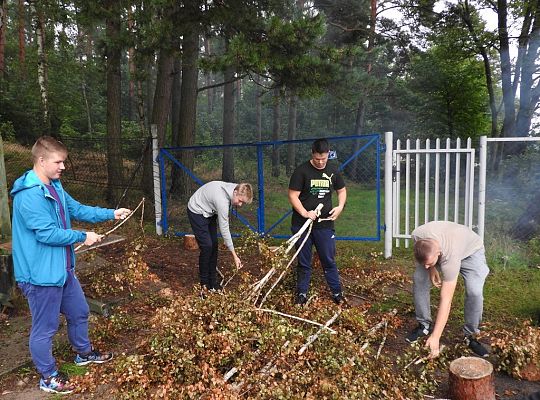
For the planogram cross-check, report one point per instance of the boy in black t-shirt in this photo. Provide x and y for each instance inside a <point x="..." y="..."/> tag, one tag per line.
<point x="311" y="184"/>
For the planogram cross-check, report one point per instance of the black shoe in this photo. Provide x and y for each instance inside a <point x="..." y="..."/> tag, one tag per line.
<point x="417" y="333"/>
<point x="216" y="288"/>
<point x="338" y="298"/>
<point x="476" y="347"/>
<point x="301" y="299"/>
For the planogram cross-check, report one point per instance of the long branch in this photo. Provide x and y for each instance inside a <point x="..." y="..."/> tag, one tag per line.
<point x="117" y="225"/>
<point x="297" y="318"/>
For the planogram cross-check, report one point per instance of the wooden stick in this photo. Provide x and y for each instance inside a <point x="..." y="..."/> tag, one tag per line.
<point x="230" y="374"/>
<point x="383" y="341"/>
<point x="117" y="225"/>
<point x="312" y="338"/>
<point x="419" y="359"/>
<point x="375" y="328"/>
<point x="332" y="331"/>
<point x="294" y="238"/>
<point x="288" y="265"/>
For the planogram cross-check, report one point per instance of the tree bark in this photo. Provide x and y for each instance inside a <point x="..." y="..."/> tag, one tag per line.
<point x="228" y="124"/>
<point x="276" y="130"/>
<point x="506" y="70"/>
<point x="160" y="113"/>
<point x="208" y="79"/>
<point x="527" y="102"/>
<point x="113" y="53"/>
<point x="471" y="378"/>
<point x="22" y="38"/>
<point x="291" y="134"/>
<point x="182" y="184"/>
<point x="132" y="103"/>
<point x="3" y="21"/>
<point x="42" y="66"/>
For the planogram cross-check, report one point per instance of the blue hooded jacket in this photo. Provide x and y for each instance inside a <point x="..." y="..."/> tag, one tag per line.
<point x="39" y="238"/>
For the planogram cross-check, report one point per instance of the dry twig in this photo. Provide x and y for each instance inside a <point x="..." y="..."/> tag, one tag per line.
<point x="312" y="338"/>
<point x="122" y="222"/>
<point x="332" y="331"/>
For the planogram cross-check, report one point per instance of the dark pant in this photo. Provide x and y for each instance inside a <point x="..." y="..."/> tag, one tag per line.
<point x="325" y="243"/>
<point x="46" y="303"/>
<point x="205" y="231"/>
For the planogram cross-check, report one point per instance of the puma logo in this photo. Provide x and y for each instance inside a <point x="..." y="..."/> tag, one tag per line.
<point x="327" y="177"/>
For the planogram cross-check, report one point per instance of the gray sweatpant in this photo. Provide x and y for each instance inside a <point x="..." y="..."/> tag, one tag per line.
<point x="474" y="271"/>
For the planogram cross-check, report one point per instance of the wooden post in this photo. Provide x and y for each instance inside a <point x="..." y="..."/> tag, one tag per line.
<point x="471" y="378"/>
<point x="5" y="221"/>
<point x="190" y="243"/>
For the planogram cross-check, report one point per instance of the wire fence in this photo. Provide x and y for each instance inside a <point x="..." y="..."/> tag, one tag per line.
<point x="86" y="173"/>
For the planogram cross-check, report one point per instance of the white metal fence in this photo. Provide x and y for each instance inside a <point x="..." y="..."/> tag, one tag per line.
<point x="434" y="180"/>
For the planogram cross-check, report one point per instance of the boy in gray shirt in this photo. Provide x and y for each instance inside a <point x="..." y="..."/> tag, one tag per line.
<point x="209" y="207"/>
<point x="451" y="249"/>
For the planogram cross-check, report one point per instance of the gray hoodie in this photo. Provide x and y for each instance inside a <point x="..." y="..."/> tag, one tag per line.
<point x="215" y="198"/>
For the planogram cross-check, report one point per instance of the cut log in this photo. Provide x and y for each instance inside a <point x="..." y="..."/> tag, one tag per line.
<point x="471" y="378"/>
<point x="190" y="243"/>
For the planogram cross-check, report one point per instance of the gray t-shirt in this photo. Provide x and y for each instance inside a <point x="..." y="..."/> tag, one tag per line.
<point x="457" y="242"/>
<point x="215" y="198"/>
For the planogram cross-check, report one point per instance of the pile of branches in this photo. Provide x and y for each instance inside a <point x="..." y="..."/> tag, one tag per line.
<point x="228" y="346"/>
<point x="518" y="351"/>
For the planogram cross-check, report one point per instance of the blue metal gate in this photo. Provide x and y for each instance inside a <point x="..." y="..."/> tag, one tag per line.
<point x="358" y="157"/>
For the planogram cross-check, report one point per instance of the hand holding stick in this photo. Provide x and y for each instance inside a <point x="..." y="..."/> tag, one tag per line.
<point x="123" y="221"/>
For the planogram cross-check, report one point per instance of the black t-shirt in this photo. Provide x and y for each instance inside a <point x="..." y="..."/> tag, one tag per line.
<point x="315" y="187"/>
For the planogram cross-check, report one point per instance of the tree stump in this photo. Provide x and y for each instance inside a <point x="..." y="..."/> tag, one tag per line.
<point x="190" y="243"/>
<point x="471" y="378"/>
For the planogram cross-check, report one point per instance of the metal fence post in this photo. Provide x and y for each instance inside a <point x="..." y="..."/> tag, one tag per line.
<point x="157" y="181"/>
<point x="260" y="181"/>
<point x="482" y="170"/>
<point x="388" y="141"/>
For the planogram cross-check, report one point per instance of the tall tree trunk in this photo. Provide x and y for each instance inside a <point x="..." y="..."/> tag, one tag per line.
<point x="80" y="49"/>
<point x="362" y="104"/>
<point x="175" y="102"/>
<point x="182" y="184"/>
<point x="160" y="113"/>
<point x="467" y="19"/>
<point x="227" y="172"/>
<point x="210" y="93"/>
<point x="3" y="21"/>
<point x="276" y="129"/>
<point x="506" y="70"/>
<point x="150" y="87"/>
<point x="291" y="134"/>
<point x="132" y="102"/>
<point x="113" y="54"/>
<point x="22" y="38"/>
<point x="42" y="65"/>
<point x="527" y="100"/>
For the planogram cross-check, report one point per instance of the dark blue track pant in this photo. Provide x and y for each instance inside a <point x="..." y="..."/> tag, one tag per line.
<point x="325" y="244"/>
<point x="46" y="303"/>
<point x="205" y="231"/>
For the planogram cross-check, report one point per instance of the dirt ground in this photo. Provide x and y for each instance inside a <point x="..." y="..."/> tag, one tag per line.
<point x="177" y="271"/>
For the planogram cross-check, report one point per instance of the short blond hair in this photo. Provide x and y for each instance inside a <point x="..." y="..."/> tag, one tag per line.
<point x="46" y="145"/>
<point x="246" y="191"/>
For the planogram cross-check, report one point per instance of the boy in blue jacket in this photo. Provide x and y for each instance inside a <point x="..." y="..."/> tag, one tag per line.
<point x="44" y="260"/>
